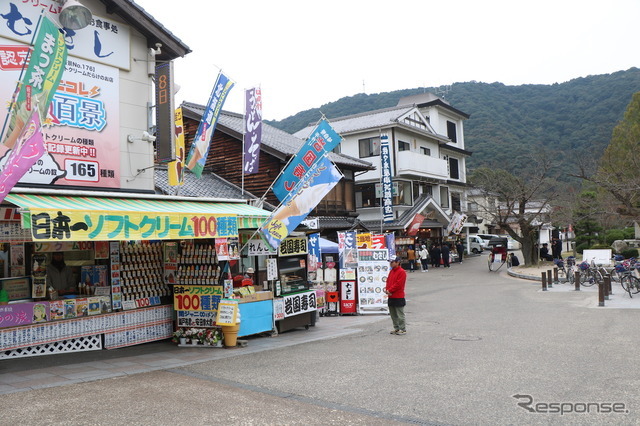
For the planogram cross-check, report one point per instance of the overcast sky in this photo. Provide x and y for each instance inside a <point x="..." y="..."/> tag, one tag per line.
<point x="304" y="54"/>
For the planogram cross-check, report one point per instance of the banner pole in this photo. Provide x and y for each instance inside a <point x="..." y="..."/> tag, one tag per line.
<point x="244" y="134"/>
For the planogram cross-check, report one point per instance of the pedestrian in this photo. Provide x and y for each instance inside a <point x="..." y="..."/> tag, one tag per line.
<point x="556" y="248"/>
<point x="60" y="275"/>
<point x="411" y="257"/>
<point x="395" y="291"/>
<point x="437" y="255"/>
<point x="460" y="250"/>
<point x="424" y="258"/>
<point x="446" y="252"/>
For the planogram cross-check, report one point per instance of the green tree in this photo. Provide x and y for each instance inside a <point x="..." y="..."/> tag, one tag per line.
<point x="587" y="227"/>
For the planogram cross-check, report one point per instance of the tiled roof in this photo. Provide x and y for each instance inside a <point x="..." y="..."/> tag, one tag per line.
<point x="273" y="138"/>
<point x="407" y="216"/>
<point x="209" y="185"/>
<point x="365" y="120"/>
<point x="341" y="222"/>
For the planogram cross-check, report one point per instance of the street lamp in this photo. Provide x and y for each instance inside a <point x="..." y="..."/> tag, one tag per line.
<point x="74" y="15"/>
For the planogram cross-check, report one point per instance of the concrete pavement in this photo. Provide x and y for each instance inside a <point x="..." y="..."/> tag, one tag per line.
<point x="475" y="339"/>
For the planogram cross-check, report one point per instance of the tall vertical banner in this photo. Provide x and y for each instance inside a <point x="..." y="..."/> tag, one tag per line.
<point x="456" y="224"/>
<point x="314" y="256"/>
<point x="165" y="112"/>
<point x="202" y="140"/>
<point x="386" y="180"/>
<point x="322" y="140"/>
<point x="347" y="254"/>
<point x="41" y="79"/>
<point x="176" y="168"/>
<point x="252" y="130"/>
<point x="316" y="183"/>
<point x="26" y="152"/>
<point x="390" y="239"/>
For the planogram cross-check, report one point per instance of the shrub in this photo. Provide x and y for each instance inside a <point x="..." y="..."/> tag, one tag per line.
<point x="582" y="247"/>
<point x="629" y="233"/>
<point x="629" y="253"/>
<point x="613" y="234"/>
<point x="600" y="246"/>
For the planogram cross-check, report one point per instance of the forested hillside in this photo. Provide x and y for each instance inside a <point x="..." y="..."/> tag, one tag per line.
<point x="567" y="119"/>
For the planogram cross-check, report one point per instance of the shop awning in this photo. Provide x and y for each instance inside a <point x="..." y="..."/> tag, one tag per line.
<point x="62" y="218"/>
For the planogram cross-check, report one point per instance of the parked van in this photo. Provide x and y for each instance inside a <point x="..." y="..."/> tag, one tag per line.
<point x="487" y="237"/>
<point x="475" y="244"/>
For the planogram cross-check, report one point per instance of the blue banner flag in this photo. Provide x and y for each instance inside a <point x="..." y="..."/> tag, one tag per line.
<point x="202" y="140"/>
<point x="322" y="140"/>
<point x="314" y="258"/>
<point x="305" y="196"/>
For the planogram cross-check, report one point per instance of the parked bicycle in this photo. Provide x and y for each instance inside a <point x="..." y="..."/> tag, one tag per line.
<point x="566" y="272"/>
<point x="590" y="273"/>
<point x="629" y="272"/>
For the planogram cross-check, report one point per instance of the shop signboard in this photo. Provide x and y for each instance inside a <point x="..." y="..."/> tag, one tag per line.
<point x="348" y="297"/>
<point x="257" y="247"/>
<point x="81" y="127"/>
<point x="363" y="240"/>
<point x="272" y="269"/>
<point x="278" y="309"/>
<point x="378" y="242"/>
<point x="299" y="303"/>
<point x="16" y="288"/>
<point x="74" y="225"/>
<point x="373" y="269"/>
<point x="227" y="312"/>
<point x="293" y="246"/>
<point x="23" y="313"/>
<point x="196" y="305"/>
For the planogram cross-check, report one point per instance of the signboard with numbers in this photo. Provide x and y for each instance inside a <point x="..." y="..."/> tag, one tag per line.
<point x="196" y="305"/>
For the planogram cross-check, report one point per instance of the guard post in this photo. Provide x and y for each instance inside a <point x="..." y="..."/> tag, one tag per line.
<point x="544" y="281"/>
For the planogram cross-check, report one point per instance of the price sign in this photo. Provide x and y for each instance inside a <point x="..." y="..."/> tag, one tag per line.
<point x="86" y="171"/>
<point x="227" y="312"/>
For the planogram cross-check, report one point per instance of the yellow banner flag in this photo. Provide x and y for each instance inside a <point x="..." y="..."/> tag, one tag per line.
<point x="176" y="168"/>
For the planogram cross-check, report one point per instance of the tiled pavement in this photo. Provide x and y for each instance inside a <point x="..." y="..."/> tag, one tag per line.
<point x="22" y="374"/>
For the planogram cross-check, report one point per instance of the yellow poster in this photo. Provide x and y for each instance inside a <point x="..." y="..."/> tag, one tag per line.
<point x="363" y="240"/>
<point x="176" y="168"/>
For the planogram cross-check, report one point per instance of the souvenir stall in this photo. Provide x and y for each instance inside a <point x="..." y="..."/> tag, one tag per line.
<point x="295" y="303"/>
<point x="121" y="259"/>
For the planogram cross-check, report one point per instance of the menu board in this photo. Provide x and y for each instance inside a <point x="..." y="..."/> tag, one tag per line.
<point x="227" y="312"/>
<point x="373" y="269"/>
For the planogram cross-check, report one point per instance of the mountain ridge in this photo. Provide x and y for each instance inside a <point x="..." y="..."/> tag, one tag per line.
<point x="508" y="122"/>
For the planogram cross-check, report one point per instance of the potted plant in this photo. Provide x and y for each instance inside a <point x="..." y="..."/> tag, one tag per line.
<point x="213" y="337"/>
<point x="193" y="333"/>
<point x="179" y="336"/>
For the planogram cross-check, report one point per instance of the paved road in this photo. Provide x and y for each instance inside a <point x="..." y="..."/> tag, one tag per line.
<point x="474" y="340"/>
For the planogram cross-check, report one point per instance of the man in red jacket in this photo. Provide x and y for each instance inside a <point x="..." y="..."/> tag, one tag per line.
<point x="395" y="290"/>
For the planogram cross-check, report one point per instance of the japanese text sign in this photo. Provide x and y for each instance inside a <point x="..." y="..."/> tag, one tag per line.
<point x="299" y="303"/>
<point x="72" y="225"/>
<point x="386" y="180"/>
<point x="253" y="130"/>
<point x="258" y="247"/>
<point x="196" y="306"/>
<point x="323" y="139"/>
<point x="293" y="246"/>
<point x="227" y="312"/>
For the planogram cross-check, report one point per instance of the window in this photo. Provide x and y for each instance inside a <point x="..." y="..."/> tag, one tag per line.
<point x="421" y="188"/>
<point x="425" y="151"/>
<point x="369" y="147"/>
<point x="451" y="131"/>
<point x="454" y="172"/>
<point x="404" y="146"/>
<point x="403" y="196"/>
<point x="444" y="197"/>
<point x="337" y="149"/>
<point x="455" y="202"/>
<point x="366" y="196"/>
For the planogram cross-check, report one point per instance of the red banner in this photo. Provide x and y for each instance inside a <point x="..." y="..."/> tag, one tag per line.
<point x="414" y="227"/>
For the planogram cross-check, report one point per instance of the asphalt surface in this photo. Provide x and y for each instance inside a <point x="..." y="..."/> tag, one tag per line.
<point x="474" y="340"/>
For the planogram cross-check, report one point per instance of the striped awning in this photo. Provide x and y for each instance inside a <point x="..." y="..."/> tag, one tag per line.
<point x="247" y="216"/>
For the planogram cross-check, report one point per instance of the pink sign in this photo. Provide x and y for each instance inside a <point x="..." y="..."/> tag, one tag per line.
<point x="27" y="151"/>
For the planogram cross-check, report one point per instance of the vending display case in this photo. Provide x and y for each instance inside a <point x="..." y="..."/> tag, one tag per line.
<point x="293" y="274"/>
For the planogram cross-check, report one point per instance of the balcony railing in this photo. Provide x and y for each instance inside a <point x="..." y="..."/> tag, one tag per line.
<point x="416" y="164"/>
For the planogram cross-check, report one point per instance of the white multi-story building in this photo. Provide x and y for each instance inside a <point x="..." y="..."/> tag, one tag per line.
<point x="428" y="160"/>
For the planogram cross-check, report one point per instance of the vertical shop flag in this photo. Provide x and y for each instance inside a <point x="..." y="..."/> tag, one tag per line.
<point x="165" y="113"/>
<point x="314" y="259"/>
<point x="40" y="80"/>
<point x="386" y="180"/>
<point x="27" y="150"/>
<point x="323" y="139"/>
<point x="415" y="224"/>
<point x="176" y="168"/>
<point x="390" y="239"/>
<point x="252" y="130"/>
<point x="202" y="139"/>
<point x="306" y="195"/>
<point x="456" y="223"/>
<point x="348" y="255"/>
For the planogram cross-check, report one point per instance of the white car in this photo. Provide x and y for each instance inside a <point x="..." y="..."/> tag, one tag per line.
<point x="512" y="244"/>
